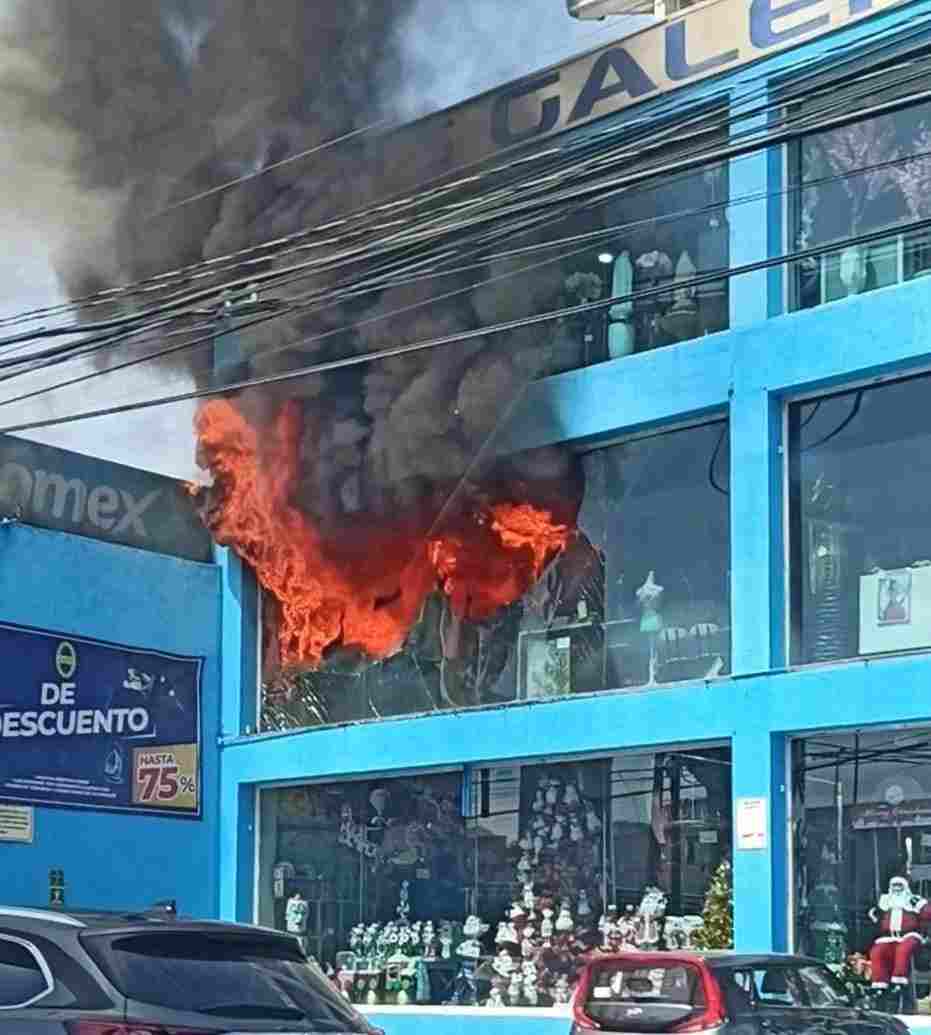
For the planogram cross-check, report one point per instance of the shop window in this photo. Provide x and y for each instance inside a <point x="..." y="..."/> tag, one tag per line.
<point x="638" y="597"/>
<point x="861" y="178"/>
<point x="862" y="850"/>
<point x="861" y="577"/>
<point x="491" y="884"/>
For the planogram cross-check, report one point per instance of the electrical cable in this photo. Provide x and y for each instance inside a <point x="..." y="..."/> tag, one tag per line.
<point x="140" y="316"/>
<point x="714" y="460"/>
<point x="273" y="275"/>
<point x="611" y="231"/>
<point x="431" y="343"/>
<point x="917" y="31"/>
<point x="855" y="409"/>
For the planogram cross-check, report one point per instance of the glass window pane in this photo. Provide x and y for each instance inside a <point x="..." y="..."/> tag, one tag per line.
<point x="862" y="846"/>
<point x="514" y="876"/>
<point x="861" y="582"/>
<point x="21" y="977"/>
<point x="859" y="178"/>
<point x="637" y="594"/>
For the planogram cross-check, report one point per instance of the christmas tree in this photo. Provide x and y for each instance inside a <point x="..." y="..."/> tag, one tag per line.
<point x="717" y="930"/>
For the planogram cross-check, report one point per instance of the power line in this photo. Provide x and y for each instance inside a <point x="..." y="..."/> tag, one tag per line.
<point x="208" y="266"/>
<point x="480" y="332"/>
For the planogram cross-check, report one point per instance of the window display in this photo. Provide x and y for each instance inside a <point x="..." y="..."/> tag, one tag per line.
<point x="489" y="886"/>
<point x="634" y="593"/>
<point x="861" y="552"/>
<point x="860" y="178"/>
<point x="862" y="855"/>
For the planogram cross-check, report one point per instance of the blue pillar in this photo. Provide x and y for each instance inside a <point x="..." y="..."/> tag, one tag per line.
<point x="237" y="850"/>
<point x="240" y="645"/>
<point x="748" y="177"/>
<point x="757" y="551"/>
<point x="761" y="875"/>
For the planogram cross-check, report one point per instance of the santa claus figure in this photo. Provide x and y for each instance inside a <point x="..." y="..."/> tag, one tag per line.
<point x="902" y="918"/>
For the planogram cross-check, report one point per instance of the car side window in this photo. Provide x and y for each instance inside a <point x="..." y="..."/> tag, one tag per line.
<point x="25" y="977"/>
<point x="778" y="986"/>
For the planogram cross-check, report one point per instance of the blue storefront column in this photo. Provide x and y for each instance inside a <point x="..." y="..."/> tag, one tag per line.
<point x="240" y="638"/>
<point x="760" y="875"/>
<point x="757" y="553"/>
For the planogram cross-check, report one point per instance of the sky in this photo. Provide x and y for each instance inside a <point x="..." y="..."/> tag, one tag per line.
<point x="516" y="39"/>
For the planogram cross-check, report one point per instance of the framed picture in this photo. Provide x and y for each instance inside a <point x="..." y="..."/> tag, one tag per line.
<point x="894" y="598"/>
<point x="546" y="664"/>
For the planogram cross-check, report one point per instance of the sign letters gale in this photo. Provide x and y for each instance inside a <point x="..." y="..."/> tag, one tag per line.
<point x="87" y="724"/>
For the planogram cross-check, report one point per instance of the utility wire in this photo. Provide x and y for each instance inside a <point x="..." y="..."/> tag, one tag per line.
<point x="107" y="297"/>
<point x="480" y="332"/>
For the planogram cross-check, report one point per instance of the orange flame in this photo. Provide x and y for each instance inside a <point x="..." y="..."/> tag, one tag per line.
<point x="366" y="591"/>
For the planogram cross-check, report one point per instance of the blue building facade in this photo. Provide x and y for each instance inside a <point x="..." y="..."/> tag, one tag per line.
<point x="760" y="452"/>
<point x="775" y="697"/>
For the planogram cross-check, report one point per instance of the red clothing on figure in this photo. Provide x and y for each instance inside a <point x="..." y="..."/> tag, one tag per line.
<point x="903" y="919"/>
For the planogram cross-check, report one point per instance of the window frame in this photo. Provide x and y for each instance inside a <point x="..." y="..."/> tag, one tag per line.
<point x="44" y="969"/>
<point x="792" y="154"/>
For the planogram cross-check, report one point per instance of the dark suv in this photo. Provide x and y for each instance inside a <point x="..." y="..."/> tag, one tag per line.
<point x="719" y="994"/>
<point x="74" y="973"/>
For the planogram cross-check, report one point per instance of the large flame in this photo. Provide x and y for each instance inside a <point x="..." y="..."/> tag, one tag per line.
<point x="367" y="591"/>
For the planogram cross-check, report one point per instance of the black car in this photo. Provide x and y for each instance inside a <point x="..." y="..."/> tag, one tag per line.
<point x="75" y="973"/>
<point x="719" y="994"/>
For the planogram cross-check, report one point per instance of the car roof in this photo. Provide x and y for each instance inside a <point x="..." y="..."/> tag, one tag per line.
<point x="718" y="959"/>
<point x="93" y="921"/>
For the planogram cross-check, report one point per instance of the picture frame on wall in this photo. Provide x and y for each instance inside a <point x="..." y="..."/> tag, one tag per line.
<point x="546" y="664"/>
<point x="894" y="598"/>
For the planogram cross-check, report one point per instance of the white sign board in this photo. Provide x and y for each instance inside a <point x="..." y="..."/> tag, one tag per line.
<point x="752" y="825"/>
<point x="17" y="823"/>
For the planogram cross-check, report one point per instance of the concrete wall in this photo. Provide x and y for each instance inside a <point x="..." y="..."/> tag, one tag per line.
<point x="64" y="583"/>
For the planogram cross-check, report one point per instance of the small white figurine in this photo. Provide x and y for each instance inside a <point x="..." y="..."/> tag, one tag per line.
<point x="530" y="900"/>
<point x="561" y="993"/>
<point x="514" y="989"/>
<point x="584" y="909"/>
<point x="564" y="921"/>
<point x="546" y="928"/>
<point x="527" y="947"/>
<point x="591" y="820"/>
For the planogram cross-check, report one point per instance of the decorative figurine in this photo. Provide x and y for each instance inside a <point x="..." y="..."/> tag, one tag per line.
<point x="903" y="917"/>
<point x="371" y="996"/>
<point x="530" y="900"/>
<point x="575" y="830"/>
<point x="446" y="941"/>
<point x="524" y="866"/>
<point x="592" y="822"/>
<point x="296" y="913"/>
<point x="561" y="993"/>
<point x="583" y="909"/>
<point x="546" y="927"/>
<point x="514" y="989"/>
<point x="564" y="921"/>
<point x="552" y="793"/>
<point x="527" y="947"/>
<point x="649" y="596"/>
<point x="650" y="915"/>
<point x="503" y="964"/>
<point x="495" y="997"/>
<point x="571" y="798"/>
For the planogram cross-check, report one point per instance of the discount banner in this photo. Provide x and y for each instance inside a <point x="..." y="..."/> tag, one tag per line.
<point x="87" y="724"/>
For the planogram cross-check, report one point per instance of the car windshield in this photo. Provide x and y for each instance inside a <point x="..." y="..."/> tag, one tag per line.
<point x="624" y="996"/>
<point x="784" y="984"/>
<point x="224" y="976"/>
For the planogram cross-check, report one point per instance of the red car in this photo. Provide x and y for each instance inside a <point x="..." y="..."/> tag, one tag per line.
<point x="719" y="993"/>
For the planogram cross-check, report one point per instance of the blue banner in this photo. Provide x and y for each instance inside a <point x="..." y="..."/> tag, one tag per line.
<point x="87" y="724"/>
